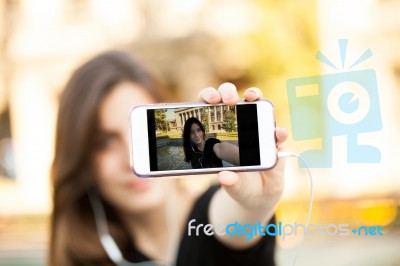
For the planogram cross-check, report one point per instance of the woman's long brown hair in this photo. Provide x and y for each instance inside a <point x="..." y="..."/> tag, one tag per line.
<point x="74" y="240"/>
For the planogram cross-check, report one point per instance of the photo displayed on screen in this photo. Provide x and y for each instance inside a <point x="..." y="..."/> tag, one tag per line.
<point x="203" y="137"/>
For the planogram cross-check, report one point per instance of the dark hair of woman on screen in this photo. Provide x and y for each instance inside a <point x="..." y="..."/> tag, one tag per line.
<point x="202" y="153"/>
<point x="199" y="151"/>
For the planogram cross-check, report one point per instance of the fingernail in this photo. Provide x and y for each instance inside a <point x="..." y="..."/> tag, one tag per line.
<point x="252" y="91"/>
<point x="229" y="96"/>
<point x="213" y="95"/>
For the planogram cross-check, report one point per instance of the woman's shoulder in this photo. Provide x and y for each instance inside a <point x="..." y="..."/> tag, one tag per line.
<point x="197" y="193"/>
<point x="212" y="141"/>
<point x="201" y="201"/>
<point x="195" y="204"/>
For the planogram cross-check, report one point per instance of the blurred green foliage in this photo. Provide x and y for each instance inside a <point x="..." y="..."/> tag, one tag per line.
<point x="229" y="122"/>
<point x="161" y="119"/>
<point x="282" y="47"/>
<point x="204" y="118"/>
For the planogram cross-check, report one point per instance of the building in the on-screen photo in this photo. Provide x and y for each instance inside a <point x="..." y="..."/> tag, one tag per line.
<point x="212" y="117"/>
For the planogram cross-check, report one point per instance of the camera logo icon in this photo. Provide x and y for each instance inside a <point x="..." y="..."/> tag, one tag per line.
<point x="344" y="103"/>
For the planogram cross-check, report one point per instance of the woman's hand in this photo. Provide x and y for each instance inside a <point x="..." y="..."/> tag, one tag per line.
<point x="251" y="189"/>
<point x="247" y="196"/>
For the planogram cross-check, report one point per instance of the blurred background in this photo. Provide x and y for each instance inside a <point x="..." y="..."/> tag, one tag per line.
<point x="191" y="44"/>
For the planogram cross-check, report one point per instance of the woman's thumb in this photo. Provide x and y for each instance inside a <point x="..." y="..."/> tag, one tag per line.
<point x="231" y="182"/>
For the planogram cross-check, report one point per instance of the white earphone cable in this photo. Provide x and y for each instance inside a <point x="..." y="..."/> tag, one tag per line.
<point x="310" y="203"/>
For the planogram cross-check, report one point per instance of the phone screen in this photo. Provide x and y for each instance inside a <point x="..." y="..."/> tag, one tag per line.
<point x="185" y="138"/>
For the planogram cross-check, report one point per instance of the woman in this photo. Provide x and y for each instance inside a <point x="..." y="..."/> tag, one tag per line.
<point x="208" y="153"/>
<point x="105" y="215"/>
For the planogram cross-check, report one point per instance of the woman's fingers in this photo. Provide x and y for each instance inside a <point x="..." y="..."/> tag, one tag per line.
<point x="228" y="93"/>
<point x="281" y="136"/>
<point x="228" y="178"/>
<point x="209" y="95"/>
<point x="252" y="94"/>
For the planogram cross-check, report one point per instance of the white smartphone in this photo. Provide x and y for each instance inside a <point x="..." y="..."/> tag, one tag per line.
<point x="197" y="138"/>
